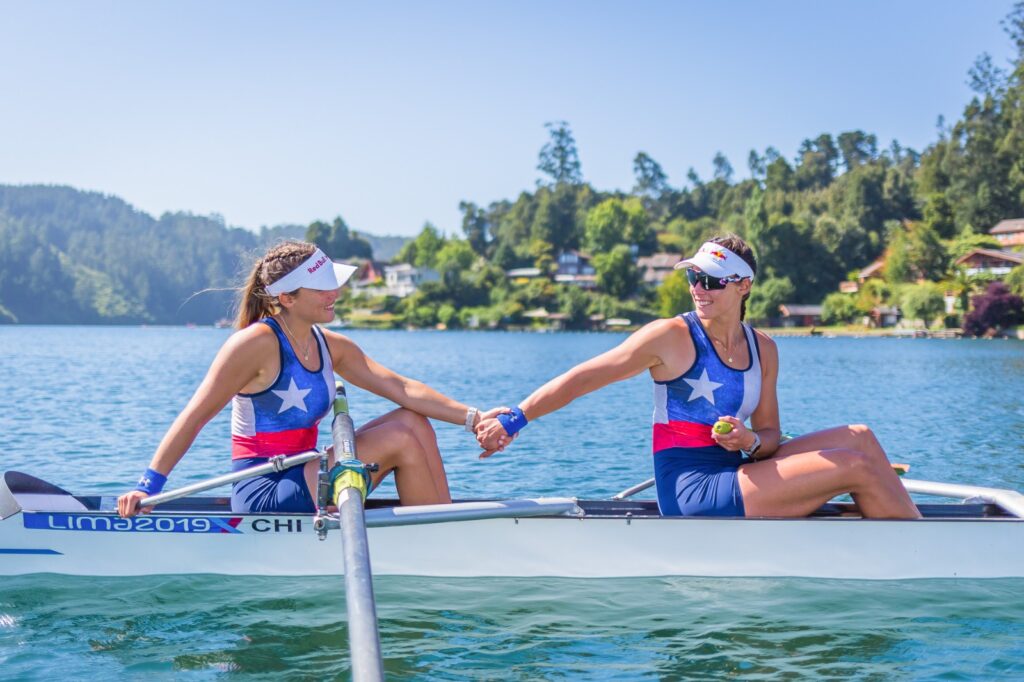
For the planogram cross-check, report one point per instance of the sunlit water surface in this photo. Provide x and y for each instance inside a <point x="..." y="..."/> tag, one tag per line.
<point x="84" y="407"/>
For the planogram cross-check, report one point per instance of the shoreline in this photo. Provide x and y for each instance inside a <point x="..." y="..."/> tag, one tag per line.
<point x="825" y="332"/>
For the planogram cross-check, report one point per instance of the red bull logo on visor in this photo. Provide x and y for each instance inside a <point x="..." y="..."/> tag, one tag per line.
<point x="716" y="254"/>
<point x="316" y="266"/>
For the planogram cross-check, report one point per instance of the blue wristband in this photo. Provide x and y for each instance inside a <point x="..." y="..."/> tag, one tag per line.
<point x="151" y="482"/>
<point x="514" y="422"/>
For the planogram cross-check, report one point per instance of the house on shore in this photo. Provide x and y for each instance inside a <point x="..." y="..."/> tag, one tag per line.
<point x="656" y="268"/>
<point x="873" y="271"/>
<point x="799" y="315"/>
<point x="990" y="261"/>
<point x="368" y="277"/>
<point x="1010" y="233"/>
<point x="404" y="279"/>
<point x="574" y="268"/>
<point x="882" y="316"/>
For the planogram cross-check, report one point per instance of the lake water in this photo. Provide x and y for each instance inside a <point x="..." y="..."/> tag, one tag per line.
<point x="84" y="407"/>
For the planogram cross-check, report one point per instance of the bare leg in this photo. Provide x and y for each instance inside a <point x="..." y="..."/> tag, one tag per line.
<point x="424" y="432"/>
<point x="393" y="447"/>
<point x="808" y="471"/>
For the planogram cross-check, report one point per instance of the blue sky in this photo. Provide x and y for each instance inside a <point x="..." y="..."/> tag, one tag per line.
<point x="389" y="114"/>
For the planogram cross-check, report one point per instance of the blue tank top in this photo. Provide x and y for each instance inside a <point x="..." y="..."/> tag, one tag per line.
<point x="283" y="419"/>
<point x="687" y="406"/>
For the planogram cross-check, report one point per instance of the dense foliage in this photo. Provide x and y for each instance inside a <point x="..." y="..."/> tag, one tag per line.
<point x="841" y="203"/>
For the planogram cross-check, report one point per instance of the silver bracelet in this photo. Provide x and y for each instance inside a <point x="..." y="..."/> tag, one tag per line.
<point x="471" y="414"/>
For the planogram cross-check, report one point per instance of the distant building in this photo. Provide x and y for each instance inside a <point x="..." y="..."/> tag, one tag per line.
<point x="582" y="281"/>
<point x="404" y="279"/>
<point x="990" y="261"/>
<point x="882" y="316"/>
<point x="573" y="262"/>
<point x="368" y="276"/>
<point x="1009" y="232"/>
<point x="873" y="271"/>
<point x="799" y="315"/>
<point x="654" y="269"/>
<point x="574" y="268"/>
<point x="522" y="275"/>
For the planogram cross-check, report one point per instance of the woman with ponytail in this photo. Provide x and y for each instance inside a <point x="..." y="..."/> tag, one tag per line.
<point x="278" y="372"/>
<point x="712" y="373"/>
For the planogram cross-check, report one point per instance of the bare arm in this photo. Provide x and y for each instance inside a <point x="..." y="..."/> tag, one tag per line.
<point x="645" y="349"/>
<point x="359" y="369"/>
<point x="238" y="362"/>
<point x="634" y="355"/>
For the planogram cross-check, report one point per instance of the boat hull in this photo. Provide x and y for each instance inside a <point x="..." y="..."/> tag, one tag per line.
<point x="595" y="546"/>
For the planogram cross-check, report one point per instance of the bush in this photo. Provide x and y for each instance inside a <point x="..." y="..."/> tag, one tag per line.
<point x="922" y="302"/>
<point x="839" y="308"/>
<point x="998" y="308"/>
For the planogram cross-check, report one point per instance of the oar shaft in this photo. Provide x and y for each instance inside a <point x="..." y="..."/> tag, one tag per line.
<point x="363" y="637"/>
<point x="217" y="482"/>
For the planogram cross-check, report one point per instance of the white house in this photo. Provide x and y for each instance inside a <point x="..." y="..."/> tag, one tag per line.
<point x="404" y="279"/>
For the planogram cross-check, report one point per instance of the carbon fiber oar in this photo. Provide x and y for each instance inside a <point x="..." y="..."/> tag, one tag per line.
<point x="350" y="482"/>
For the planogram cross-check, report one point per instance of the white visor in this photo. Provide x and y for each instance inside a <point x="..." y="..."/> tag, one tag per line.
<point x="717" y="261"/>
<point x="316" y="272"/>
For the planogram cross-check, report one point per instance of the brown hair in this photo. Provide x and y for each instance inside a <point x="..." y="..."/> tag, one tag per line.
<point x="735" y="244"/>
<point x="254" y="302"/>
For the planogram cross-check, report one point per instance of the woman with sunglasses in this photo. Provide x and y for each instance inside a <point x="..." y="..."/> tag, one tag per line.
<point x="709" y="366"/>
<point x="278" y="372"/>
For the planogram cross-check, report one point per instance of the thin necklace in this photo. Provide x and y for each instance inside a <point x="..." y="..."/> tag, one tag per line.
<point x="295" y="342"/>
<point x="728" y="352"/>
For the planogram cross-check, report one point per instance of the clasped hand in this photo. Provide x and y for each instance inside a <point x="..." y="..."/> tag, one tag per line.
<point x="490" y="434"/>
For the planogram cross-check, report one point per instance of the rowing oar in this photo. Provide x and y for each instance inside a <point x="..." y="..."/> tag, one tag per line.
<point x="277" y="463"/>
<point x="350" y="482"/>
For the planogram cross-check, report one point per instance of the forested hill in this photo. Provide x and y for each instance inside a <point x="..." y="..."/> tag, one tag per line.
<point x="68" y="256"/>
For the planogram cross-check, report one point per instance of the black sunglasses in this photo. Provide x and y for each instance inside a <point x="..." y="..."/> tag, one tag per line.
<point x="707" y="281"/>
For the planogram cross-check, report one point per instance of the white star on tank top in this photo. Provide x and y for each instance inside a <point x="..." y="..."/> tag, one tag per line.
<point x="295" y="397"/>
<point x="703" y="387"/>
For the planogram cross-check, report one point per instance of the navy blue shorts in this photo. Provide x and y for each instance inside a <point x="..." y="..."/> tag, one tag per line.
<point x="279" y="491"/>
<point x="698" y="481"/>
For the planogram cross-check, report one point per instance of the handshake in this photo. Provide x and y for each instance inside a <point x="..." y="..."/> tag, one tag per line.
<point x="496" y="428"/>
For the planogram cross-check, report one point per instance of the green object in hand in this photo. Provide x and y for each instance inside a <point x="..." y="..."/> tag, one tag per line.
<point x="721" y="427"/>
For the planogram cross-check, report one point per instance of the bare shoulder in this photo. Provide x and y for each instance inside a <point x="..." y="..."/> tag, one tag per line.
<point x="256" y="338"/>
<point x="661" y="329"/>
<point x="767" y="349"/>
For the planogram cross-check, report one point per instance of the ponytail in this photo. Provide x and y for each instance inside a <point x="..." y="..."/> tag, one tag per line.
<point x="254" y="302"/>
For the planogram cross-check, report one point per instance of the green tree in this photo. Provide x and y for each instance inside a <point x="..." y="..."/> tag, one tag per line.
<point x="616" y="273"/>
<point x="767" y="296"/>
<point x="674" y="295"/>
<point x="453" y="259"/>
<point x="573" y="302"/>
<point x="422" y="251"/>
<point x="898" y="267"/>
<point x="558" y="158"/>
<point x="1015" y="280"/>
<point x="926" y="253"/>
<point x="839" y="308"/>
<point x="337" y="241"/>
<point x="475" y="226"/>
<point x="921" y="302"/>
<point x="857" y="148"/>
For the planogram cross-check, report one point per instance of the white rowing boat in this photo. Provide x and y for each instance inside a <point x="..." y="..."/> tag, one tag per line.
<point x="45" y="529"/>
